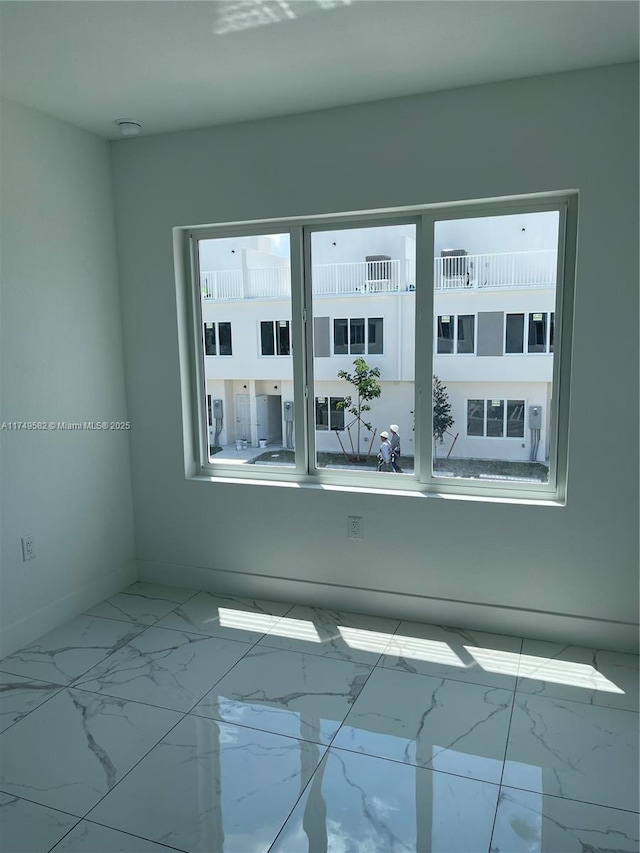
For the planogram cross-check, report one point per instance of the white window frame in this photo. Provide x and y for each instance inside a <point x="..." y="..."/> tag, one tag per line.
<point x="349" y="354"/>
<point x="525" y="334"/>
<point x="455" y="318"/>
<point x="330" y="428"/>
<point x="274" y="324"/>
<point x="505" y="420"/>
<point x="217" y="323"/>
<point x="305" y="473"/>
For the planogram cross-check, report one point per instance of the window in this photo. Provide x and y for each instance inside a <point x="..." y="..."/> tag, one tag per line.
<point x="456" y="334"/>
<point x="495" y="418"/>
<point x="445" y="334"/>
<point x="349" y="336"/>
<point x="514" y="341"/>
<point x="486" y="280"/>
<point x="539" y="332"/>
<point x="217" y="343"/>
<point x="274" y="337"/>
<point x="466" y="331"/>
<point x="330" y="413"/>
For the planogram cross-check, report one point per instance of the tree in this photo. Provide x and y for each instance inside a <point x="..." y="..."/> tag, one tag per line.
<point x="365" y="380"/>
<point x="442" y="419"/>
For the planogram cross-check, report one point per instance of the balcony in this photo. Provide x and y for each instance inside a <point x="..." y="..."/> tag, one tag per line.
<point x="500" y="269"/>
<point x="463" y="272"/>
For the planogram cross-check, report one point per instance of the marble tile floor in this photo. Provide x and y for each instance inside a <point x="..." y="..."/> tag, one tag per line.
<point x="168" y="719"/>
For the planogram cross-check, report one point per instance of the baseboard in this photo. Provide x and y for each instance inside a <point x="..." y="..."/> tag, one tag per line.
<point x="566" y="628"/>
<point x="28" y="629"/>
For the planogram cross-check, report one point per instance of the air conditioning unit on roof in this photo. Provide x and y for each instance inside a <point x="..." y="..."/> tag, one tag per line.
<point x="454" y="262"/>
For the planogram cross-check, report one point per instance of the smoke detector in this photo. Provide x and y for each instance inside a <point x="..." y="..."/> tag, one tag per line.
<point x="128" y="126"/>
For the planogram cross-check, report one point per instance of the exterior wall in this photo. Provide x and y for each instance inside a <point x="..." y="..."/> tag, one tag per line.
<point x="395" y="405"/>
<point x="477" y="447"/>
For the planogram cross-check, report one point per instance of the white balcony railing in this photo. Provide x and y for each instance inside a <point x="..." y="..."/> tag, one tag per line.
<point x="499" y="269"/>
<point x="362" y="277"/>
<point x="506" y="269"/>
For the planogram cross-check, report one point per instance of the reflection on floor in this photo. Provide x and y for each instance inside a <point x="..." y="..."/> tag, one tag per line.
<point x="168" y="719"/>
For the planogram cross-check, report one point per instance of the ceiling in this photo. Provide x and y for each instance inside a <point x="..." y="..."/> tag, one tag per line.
<point x="186" y="64"/>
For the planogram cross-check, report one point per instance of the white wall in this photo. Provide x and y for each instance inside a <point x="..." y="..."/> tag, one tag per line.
<point x="473" y="562"/>
<point x="61" y="361"/>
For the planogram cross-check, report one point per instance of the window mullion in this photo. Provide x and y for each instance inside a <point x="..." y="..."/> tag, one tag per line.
<point x="423" y="426"/>
<point x="298" y="348"/>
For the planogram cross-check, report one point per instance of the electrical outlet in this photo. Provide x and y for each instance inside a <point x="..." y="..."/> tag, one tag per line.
<point x="28" y="548"/>
<point x="354" y="530"/>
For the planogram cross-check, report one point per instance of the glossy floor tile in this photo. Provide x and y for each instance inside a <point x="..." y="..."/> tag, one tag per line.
<point x="569" y="749"/>
<point x="87" y="837"/>
<point x="358" y="803"/>
<point x="72" y="750"/>
<point x="287" y="693"/>
<point x="593" y="676"/>
<point x="68" y="651"/>
<point x="170" y="669"/>
<point x="19" y="696"/>
<point x="29" y="828"/>
<point x="225" y="616"/>
<point x="167" y="719"/>
<point x="143" y="603"/>
<point x="210" y="786"/>
<point x="480" y="658"/>
<point x="332" y="633"/>
<point x="431" y="722"/>
<point x="528" y="822"/>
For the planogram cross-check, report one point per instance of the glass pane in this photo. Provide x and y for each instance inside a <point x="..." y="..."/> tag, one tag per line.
<point x="284" y="345"/>
<point x="340" y="337"/>
<point x="466" y="326"/>
<point x="495" y="277"/>
<point x="537" y="332"/>
<point x="363" y="289"/>
<point x="514" y="338"/>
<point x="495" y="418"/>
<point x="357" y="336"/>
<point x="515" y="418"/>
<point x="322" y="413"/>
<point x="445" y="334"/>
<point x="209" y="339"/>
<point x="475" y="417"/>
<point x="337" y="413"/>
<point x="224" y="335"/>
<point x="245" y="287"/>
<point x="375" y="336"/>
<point x="266" y="338"/>
<point x="551" y="324"/>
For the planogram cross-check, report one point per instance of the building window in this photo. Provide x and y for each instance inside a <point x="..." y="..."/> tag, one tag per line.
<point x="274" y="337"/>
<point x="495" y="418"/>
<point x="539" y="332"/>
<point x="466" y="334"/>
<point x="513" y="271"/>
<point x="217" y="339"/>
<point x="514" y="336"/>
<point x="445" y="334"/>
<point x="330" y="413"/>
<point x="456" y="334"/>
<point x="358" y="336"/>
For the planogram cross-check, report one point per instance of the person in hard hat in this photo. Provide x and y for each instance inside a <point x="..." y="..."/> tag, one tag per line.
<point x="394" y="444"/>
<point x="384" y="454"/>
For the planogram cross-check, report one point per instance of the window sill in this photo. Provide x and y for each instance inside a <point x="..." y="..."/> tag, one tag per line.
<point x="418" y="491"/>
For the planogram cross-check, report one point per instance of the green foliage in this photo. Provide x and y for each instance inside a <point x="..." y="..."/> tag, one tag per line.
<point x="442" y="419"/>
<point x="367" y="388"/>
